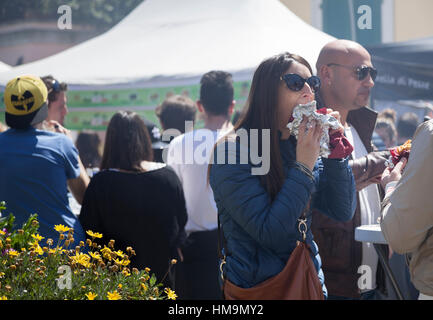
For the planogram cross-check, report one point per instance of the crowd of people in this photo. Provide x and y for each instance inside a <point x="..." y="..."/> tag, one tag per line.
<point x="194" y="195"/>
<point x="391" y="132"/>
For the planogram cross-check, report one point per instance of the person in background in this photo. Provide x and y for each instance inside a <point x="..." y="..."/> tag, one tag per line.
<point x="259" y="211"/>
<point x="158" y="146"/>
<point x="406" y="127"/>
<point x="137" y="202"/>
<point x="57" y="107"/>
<point x="389" y="114"/>
<point x="407" y="209"/>
<point x="174" y="112"/>
<point x="89" y="145"/>
<point x="386" y="130"/>
<point x="198" y="273"/>
<point x="37" y="166"/>
<point x="347" y="76"/>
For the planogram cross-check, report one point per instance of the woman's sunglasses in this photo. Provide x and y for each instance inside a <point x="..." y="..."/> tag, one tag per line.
<point x="295" y="82"/>
<point x="361" y="72"/>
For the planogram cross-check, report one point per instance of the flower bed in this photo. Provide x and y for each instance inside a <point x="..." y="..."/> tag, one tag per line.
<point x="34" y="268"/>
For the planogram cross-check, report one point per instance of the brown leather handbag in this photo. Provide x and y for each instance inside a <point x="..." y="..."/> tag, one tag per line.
<point x="297" y="281"/>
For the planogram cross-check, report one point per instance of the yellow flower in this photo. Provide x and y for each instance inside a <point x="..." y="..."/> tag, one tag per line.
<point x="119" y="253"/>
<point x="37" y="237"/>
<point x="147" y="269"/>
<point x="91" y="296"/>
<point x="3" y="298"/>
<point x="106" y="253"/>
<point x="125" y="272"/>
<point x="113" y="295"/>
<point x="170" y="294"/>
<point x="144" y="286"/>
<point x="39" y="250"/>
<point x="95" y="255"/>
<point x="2" y="233"/>
<point x="122" y="262"/>
<point x="13" y="253"/>
<point x="119" y="286"/>
<point x="125" y="262"/>
<point x="2" y="274"/>
<point x="60" y="228"/>
<point x="94" y="234"/>
<point x="81" y="258"/>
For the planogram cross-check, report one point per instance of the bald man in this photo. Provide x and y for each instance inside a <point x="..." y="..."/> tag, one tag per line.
<point x="347" y="75"/>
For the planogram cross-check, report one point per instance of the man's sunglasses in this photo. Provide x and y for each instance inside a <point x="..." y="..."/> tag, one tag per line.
<point x="55" y="86"/>
<point x="295" y="82"/>
<point x="361" y="72"/>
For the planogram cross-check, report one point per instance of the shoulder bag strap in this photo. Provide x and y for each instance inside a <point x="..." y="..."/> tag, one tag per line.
<point x="222" y="244"/>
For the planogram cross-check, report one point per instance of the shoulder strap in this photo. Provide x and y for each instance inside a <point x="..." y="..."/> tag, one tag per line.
<point x="302" y="221"/>
<point x="222" y="243"/>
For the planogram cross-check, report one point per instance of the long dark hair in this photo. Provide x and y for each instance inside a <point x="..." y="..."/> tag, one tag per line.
<point x="127" y="143"/>
<point x="261" y="112"/>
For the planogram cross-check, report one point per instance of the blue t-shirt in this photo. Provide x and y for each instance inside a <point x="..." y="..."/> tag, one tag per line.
<point x="34" y="168"/>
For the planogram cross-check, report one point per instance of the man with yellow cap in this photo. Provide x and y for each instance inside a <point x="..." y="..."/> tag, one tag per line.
<point x="37" y="166"/>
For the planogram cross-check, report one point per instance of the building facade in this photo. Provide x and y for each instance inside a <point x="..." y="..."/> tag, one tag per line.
<point x="371" y="21"/>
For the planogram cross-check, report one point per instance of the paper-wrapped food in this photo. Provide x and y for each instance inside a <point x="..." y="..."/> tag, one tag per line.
<point x="331" y="146"/>
<point x="398" y="153"/>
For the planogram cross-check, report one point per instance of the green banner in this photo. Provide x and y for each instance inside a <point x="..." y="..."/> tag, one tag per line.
<point x="93" y="109"/>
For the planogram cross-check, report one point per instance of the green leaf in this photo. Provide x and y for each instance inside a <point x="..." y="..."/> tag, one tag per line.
<point x="152" y="280"/>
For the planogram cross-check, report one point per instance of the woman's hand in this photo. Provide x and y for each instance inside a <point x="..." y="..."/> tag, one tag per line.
<point x="337" y="116"/>
<point x="308" y="145"/>
<point x="393" y="175"/>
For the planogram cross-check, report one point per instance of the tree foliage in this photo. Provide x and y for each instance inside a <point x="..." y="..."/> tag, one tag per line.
<point x="102" y="13"/>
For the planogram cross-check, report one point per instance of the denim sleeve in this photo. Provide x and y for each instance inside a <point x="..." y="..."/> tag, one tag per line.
<point x="336" y="194"/>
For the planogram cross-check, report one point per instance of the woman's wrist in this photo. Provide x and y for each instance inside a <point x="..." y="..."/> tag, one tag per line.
<point x="303" y="168"/>
<point x="307" y="164"/>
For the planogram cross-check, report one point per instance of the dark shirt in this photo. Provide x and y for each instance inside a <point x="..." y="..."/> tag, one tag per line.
<point x="145" y="211"/>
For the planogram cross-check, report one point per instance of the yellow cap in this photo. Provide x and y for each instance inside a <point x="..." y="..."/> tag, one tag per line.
<point x="25" y="98"/>
<point x="24" y="95"/>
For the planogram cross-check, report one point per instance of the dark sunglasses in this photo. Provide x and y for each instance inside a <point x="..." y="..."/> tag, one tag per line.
<point x="295" y="82"/>
<point x="55" y="85"/>
<point x="361" y="72"/>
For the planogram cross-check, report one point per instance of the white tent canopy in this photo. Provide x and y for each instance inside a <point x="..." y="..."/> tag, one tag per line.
<point x="168" y="42"/>
<point x="4" y="67"/>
